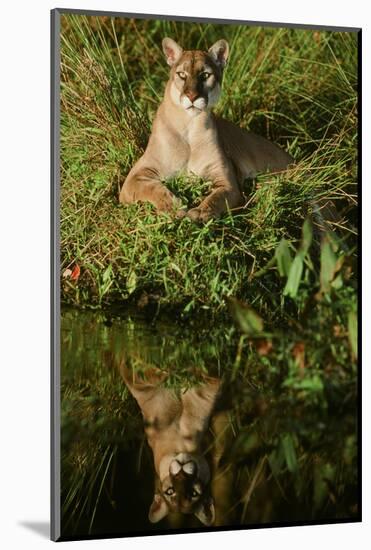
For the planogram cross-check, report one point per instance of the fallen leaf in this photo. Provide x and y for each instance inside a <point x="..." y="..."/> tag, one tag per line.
<point x="75" y="273"/>
<point x="298" y="352"/>
<point x="263" y="347"/>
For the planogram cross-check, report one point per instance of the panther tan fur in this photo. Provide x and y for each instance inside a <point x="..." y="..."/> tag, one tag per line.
<point x="187" y="138"/>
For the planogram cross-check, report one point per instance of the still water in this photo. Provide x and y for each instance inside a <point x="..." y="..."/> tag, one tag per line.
<point x="163" y="427"/>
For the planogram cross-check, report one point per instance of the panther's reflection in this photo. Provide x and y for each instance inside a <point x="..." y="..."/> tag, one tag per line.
<point x="186" y="456"/>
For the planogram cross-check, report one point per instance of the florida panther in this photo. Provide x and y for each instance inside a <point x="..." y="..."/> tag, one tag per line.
<point x="188" y="138"/>
<point x="185" y="458"/>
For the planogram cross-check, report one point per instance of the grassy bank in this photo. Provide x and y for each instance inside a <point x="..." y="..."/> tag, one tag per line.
<point x="297" y="88"/>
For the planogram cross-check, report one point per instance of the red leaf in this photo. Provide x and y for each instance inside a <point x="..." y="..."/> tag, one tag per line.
<point x="75" y="273"/>
<point x="299" y="355"/>
<point x="264" y="346"/>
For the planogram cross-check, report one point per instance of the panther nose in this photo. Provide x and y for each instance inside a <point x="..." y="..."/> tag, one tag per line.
<point x="189" y="468"/>
<point x="177" y="468"/>
<point x="192" y="96"/>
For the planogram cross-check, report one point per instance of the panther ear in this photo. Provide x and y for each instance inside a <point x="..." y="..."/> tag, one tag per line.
<point x="158" y="509"/>
<point x="220" y="52"/>
<point x="206" y="512"/>
<point x="172" y="51"/>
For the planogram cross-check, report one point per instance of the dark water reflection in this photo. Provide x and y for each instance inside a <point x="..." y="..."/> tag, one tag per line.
<point x="163" y="429"/>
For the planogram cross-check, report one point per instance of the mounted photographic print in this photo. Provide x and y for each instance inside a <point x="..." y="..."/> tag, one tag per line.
<point x="205" y="247"/>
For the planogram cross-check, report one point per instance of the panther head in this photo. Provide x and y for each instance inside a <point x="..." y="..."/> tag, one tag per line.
<point x="195" y="76"/>
<point x="183" y="486"/>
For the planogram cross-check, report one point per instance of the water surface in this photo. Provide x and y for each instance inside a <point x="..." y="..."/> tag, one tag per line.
<point x="272" y="459"/>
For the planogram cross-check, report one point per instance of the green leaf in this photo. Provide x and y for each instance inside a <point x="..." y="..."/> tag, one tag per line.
<point x="246" y="318"/>
<point x="328" y="265"/>
<point x="246" y="444"/>
<point x="289" y="452"/>
<point x="310" y="384"/>
<point x="307" y="235"/>
<point x="337" y="282"/>
<point x="276" y="461"/>
<point x="350" y="449"/>
<point x="173" y="266"/>
<point x="189" y="306"/>
<point x="107" y="274"/>
<point x="131" y="282"/>
<point x="324" y="474"/>
<point x="296" y="267"/>
<point x="353" y="332"/>
<point x="283" y="257"/>
<point x="293" y="281"/>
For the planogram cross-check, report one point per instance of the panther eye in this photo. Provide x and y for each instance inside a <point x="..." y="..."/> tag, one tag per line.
<point x="195" y="494"/>
<point x="170" y="491"/>
<point x="182" y="75"/>
<point x="205" y="76"/>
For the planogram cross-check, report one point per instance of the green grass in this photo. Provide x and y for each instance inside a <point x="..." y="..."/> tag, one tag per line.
<point x="295" y="87"/>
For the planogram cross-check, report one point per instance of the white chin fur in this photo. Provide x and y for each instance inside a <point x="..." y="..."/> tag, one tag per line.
<point x="200" y="103"/>
<point x="192" y="111"/>
<point x="185" y="102"/>
<point x="175" y="467"/>
<point x="193" y="108"/>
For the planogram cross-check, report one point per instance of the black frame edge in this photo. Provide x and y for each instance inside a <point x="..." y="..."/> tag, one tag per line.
<point x="55" y="520"/>
<point x="359" y="269"/>
<point x="195" y="19"/>
<point x="55" y="516"/>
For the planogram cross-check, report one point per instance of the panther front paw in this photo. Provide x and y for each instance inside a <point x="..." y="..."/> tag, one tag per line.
<point x="200" y="215"/>
<point x="181" y="213"/>
<point x="167" y="202"/>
